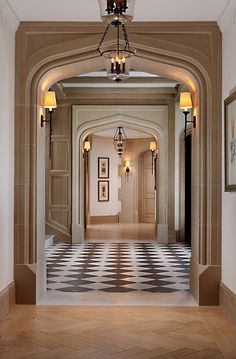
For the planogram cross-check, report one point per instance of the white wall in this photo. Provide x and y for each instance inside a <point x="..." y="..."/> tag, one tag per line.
<point x="228" y="27"/>
<point x="8" y="25"/>
<point x="103" y="147"/>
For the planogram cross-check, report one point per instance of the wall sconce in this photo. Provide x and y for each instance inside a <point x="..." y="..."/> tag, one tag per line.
<point x="153" y="149"/>
<point x="50" y="103"/>
<point x="86" y="148"/>
<point x="186" y="105"/>
<point x="127" y="170"/>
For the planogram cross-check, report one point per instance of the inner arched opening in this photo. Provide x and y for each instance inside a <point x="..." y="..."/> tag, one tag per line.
<point x="127" y="198"/>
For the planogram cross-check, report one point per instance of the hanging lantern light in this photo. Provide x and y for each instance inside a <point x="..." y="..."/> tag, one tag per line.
<point x="118" y="56"/>
<point x="122" y="10"/>
<point x="119" y="141"/>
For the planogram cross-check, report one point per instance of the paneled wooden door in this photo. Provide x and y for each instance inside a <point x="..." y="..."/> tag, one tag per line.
<point x="147" y="189"/>
<point x="58" y="176"/>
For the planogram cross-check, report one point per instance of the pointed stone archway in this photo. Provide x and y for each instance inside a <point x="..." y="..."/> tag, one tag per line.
<point x="83" y="126"/>
<point x="188" y="52"/>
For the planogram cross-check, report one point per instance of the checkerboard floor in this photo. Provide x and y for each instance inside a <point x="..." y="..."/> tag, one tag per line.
<point x="118" y="267"/>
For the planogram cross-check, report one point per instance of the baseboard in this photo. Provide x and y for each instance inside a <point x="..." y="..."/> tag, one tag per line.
<point x="25" y="278"/>
<point x="103" y="219"/>
<point x="228" y="301"/>
<point x="7" y="299"/>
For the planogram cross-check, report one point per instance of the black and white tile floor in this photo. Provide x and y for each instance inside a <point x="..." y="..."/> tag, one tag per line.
<point x="118" y="267"/>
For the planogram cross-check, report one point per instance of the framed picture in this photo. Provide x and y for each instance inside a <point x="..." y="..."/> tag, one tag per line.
<point x="230" y="143"/>
<point x="103" y="191"/>
<point x="103" y="167"/>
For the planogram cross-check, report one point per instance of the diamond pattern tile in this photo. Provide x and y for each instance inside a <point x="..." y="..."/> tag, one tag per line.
<point x="118" y="267"/>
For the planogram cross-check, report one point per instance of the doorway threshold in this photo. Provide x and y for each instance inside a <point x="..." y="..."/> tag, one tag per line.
<point x="96" y="298"/>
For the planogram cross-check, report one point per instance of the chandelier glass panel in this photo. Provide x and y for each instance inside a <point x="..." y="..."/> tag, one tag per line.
<point x="116" y="52"/>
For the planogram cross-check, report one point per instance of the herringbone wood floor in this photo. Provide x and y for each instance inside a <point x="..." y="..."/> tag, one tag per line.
<point x="117" y="333"/>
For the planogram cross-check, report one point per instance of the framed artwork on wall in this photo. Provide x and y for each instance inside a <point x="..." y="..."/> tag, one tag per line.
<point x="103" y="167"/>
<point x="230" y="143"/>
<point x="103" y="191"/>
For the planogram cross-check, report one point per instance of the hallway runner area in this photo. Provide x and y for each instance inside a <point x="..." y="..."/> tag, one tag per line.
<point x="118" y="267"/>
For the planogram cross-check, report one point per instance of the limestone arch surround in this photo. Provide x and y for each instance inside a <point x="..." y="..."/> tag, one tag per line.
<point x="188" y="52"/>
<point x="83" y="128"/>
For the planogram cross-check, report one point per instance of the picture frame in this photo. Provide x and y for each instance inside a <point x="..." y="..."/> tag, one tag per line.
<point x="230" y="142"/>
<point x="103" y="191"/>
<point x="103" y="167"/>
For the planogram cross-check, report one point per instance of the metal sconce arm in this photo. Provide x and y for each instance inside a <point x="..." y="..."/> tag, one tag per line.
<point x="44" y="120"/>
<point x="186" y="113"/>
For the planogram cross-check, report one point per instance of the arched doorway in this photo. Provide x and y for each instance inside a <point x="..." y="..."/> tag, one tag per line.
<point x="39" y="66"/>
<point x="119" y="215"/>
<point x="121" y="116"/>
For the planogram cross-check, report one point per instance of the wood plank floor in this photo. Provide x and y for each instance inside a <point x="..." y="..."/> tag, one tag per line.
<point x="121" y="231"/>
<point x="117" y="333"/>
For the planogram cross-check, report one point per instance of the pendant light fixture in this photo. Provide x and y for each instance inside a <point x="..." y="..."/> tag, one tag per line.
<point x="122" y="10"/>
<point x="119" y="141"/>
<point x="117" y="54"/>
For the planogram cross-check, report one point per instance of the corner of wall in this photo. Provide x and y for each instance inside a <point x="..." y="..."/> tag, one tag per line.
<point x="7" y="299"/>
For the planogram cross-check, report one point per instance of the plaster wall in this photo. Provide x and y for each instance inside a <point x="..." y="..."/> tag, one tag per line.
<point x="103" y="147"/>
<point x="130" y="186"/>
<point x="8" y="25"/>
<point x="228" y="27"/>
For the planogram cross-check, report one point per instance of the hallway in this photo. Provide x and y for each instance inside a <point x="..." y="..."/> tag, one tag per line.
<point x="117" y="333"/>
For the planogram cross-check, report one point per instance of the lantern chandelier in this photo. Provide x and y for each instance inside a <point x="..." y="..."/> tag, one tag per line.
<point x="117" y="54"/>
<point x="119" y="141"/>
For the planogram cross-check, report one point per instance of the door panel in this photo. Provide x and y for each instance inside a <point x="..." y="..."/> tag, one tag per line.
<point x="148" y="192"/>
<point x="58" y="175"/>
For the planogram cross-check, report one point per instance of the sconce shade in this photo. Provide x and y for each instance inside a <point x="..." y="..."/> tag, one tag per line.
<point x="50" y="100"/>
<point x="122" y="10"/>
<point x="127" y="164"/>
<point x="185" y="101"/>
<point x="87" y="146"/>
<point x="153" y="146"/>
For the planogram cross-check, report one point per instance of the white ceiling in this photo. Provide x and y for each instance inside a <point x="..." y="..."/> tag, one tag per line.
<point x="130" y="133"/>
<point x="88" y="10"/>
<point x="137" y="79"/>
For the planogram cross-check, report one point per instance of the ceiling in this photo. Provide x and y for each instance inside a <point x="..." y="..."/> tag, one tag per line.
<point x="99" y="79"/>
<point x="88" y="10"/>
<point x="86" y="85"/>
<point x="130" y="133"/>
